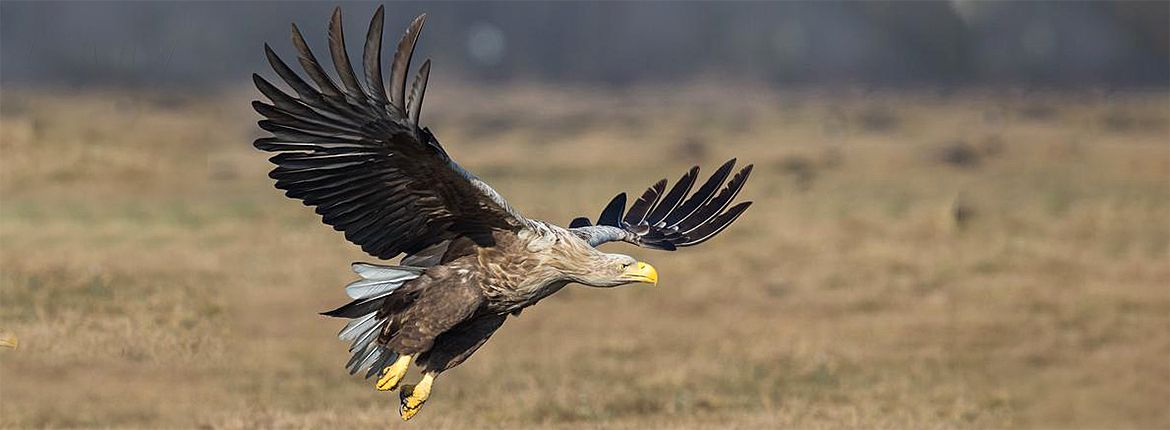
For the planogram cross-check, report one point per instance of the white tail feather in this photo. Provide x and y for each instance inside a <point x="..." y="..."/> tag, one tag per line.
<point x="375" y="271"/>
<point x="357" y="326"/>
<point x="376" y="281"/>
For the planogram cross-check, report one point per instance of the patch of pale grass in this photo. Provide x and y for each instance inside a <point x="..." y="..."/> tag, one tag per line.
<point x="155" y="279"/>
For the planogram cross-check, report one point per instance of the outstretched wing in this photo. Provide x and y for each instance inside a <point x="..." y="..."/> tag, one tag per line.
<point x="359" y="156"/>
<point x="668" y="220"/>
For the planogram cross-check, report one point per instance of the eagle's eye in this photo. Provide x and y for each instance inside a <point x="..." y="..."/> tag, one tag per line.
<point x="623" y="265"/>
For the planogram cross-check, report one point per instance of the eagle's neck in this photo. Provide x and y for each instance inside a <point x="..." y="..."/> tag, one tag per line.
<point x="531" y="267"/>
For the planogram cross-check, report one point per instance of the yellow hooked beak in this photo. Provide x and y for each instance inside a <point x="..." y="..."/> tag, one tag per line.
<point x="641" y="272"/>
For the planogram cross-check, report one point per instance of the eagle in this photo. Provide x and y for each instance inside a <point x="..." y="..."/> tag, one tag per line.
<point x="353" y="149"/>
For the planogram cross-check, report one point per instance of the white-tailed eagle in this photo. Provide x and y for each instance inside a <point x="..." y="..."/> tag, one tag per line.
<point x="352" y="148"/>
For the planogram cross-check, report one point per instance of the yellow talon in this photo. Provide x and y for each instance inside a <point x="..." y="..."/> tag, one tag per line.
<point x="392" y="374"/>
<point x="413" y="396"/>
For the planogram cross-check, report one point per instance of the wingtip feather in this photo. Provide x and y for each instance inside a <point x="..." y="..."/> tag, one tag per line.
<point x="612" y="214"/>
<point x="417" y="91"/>
<point x="401" y="64"/>
<point x="372" y="57"/>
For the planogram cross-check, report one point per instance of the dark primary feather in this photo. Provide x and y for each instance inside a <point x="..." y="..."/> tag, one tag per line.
<point x="667" y="220"/>
<point x="417" y="90"/>
<point x="341" y="57"/>
<point x="372" y="59"/>
<point x="361" y="158"/>
<point x="672" y="199"/>
<point x="580" y="222"/>
<point x="703" y="195"/>
<point x="313" y="68"/>
<point x="612" y="214"/>
<point x="642" y="206"/>
<point x="401" y="65"/>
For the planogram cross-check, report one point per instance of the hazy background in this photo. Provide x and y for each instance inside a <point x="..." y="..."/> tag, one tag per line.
<point x="1064" y="44"/>
<point x="961" y="218"/>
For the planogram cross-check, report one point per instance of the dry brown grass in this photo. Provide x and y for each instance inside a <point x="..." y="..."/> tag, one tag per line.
<point x="155" y="278"/>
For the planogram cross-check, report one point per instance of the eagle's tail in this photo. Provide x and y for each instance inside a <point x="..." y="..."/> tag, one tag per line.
<point x="370" y="293"/>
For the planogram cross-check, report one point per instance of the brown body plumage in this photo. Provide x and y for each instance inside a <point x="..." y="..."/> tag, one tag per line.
<point x="474" y="288"/>
<point x="358" y="155"/>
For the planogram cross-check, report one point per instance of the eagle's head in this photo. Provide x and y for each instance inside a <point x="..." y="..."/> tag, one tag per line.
<point x="611" y="270"/>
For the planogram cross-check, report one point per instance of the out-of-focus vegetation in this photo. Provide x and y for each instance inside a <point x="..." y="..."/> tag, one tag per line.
<point x="964" y="42"/>
<point x="913" y="260"/>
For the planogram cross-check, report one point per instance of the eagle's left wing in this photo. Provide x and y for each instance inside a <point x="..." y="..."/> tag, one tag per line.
<point x="360" y="157"/>
<point x="668" y="220"/>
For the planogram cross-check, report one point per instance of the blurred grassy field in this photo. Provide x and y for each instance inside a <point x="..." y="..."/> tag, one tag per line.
<point x="913" y="260"/>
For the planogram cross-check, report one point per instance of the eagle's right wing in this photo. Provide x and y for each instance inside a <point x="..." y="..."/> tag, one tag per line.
<point x="361" y="158"/>
<point x="668" y="220"/>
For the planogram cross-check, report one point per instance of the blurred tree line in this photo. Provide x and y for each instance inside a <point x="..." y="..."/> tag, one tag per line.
<point x="958" y="42"/>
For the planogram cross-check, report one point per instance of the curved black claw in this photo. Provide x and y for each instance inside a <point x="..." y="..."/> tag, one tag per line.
<point x="411" y="400"/>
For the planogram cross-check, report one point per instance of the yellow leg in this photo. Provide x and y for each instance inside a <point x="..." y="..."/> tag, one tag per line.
<point x="413" y="396"/>
<point x="393" y="373"/>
